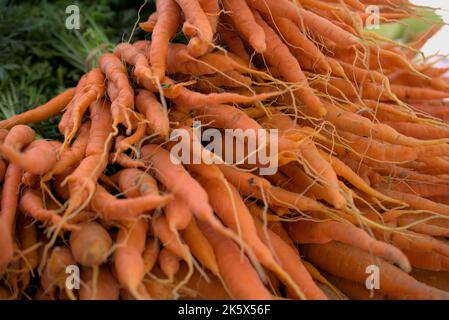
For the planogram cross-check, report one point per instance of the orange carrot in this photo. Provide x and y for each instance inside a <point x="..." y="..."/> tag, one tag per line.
<point x="327" y="231"/>
<point x="90" y="244"/>
<point x="168" y="19"/>
<point x="154" y="112"/>
<point x="234" y="267"/>
<point x="41" y="113"/>
<point x="350" y="263"/>
<point x="169" y="263"/>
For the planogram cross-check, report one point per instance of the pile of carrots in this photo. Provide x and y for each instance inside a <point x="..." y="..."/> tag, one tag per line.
<point x="362" y="183"/>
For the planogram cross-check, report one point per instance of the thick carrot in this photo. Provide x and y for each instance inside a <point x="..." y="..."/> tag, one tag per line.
<point x="350" y="263"/>
<point x="150" y="254"/>
<point x="300" y="16"/>
<point x="19" y="137"/>
<point x="327" y="231"/>
<point x="178" y="214"/>
<point x="75" y="153"/>
<point x="90" y="244"/>
<point x="128" y="260"/>
<point x="10" y="196"/>
<point x="154" y="112"/>
<point x="112" y="208"/>
<point x="168" y="19"/>
<point x="233" y="42"/>
<point x="123" y="104"/>
<point x="244" y="22"/>
<point x="41" y="113"/>
<point x="290" y="260"/>
<point x="6" y="242"/>
<point x="148" y="25"/>
<point x="38" y="158"/>
<point x="196" y="20"/>
<point x="31" y="204"/>
<point x="278" y="55"/>
<point x="236" y="271"/>
<point x="134" y="183"/>
<point x="200" y="246"/>
<point x="169" y="263"/>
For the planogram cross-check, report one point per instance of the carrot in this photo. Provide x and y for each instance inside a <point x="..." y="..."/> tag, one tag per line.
<point x="150" y="254"/>
<point x="148" y="26"/>
<point x="354" y="290"/>
<point x="178" y="181"/>
<point x="290" y="260"/>
<point x="9" y="201"/>
<point x="196" y="20"/>
<point x="350" y="263"/>
<point x="327" y="231"/>
<point x="302" y="16"/>
<point x="193" y="100"/>
<point x="6" y="252"/>
<point x="133" y="139"/>
<point x="419" y="131"/>
<point x="234" y="267"/>
<point x="168" y="19"/>
<point x="112" y="208"/>
<point x="89" y="89"/>
<point x="178" y="214"/>
<point x="200" y="246"/>
<point x="32" y="205"/>
<point x="19" y="137"/>
<point x="203" y="289"/>
<point x="154" y="113"/>
<point x="126" y="161"/>
<point x="169" y="238"/>
<point x="243" y="20"/>
<point x="123" y="104"/>
<point x="27" y="236"/>
<point x="134" y="183"/>
<point x="233" y="42"/>
<point x="73" y="155"/>
<point x="212" y="10"/>
<point x="54" y="274"/>
<point x="278" y="55"/>
<point x="103" y="288"/>
<point x="128" y="260"/>
<point x="38" y="158"/>
<point x="298" y="42"/>
<point x="90" y="244"/>
<point x="41" y="113"/>
<point x="169" y="263"/>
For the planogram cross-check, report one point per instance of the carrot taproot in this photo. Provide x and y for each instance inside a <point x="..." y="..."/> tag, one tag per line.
<point x="90" y="244"/>
<point x="150" y="254"/>
<point x="233" y="42"/>
<point x="169" y="263"/>
<point x="154" y="112"/>
<point x="327" y="231"/>
<point x="148" y="25"/>
<point x="200" y="246"/>
<point x="234" y="267"/>
<point x="289" y="68"/>
<point x="310" y="20"/>
<point x="123" y="104"/>
<point x="32" y="205"/>
<point x="38" y="158"/>
<point x="128" y="260"/>
<point x="168" y="19"/>
<point x="41" y="113"/>
<point x="352" y="266"/>
<point x="245" y="23"/>
<point x="290" y="260"/>
<point x="112" y="208"/>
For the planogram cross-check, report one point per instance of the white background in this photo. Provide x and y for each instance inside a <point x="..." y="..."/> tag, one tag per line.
<point x="440" y="42"/>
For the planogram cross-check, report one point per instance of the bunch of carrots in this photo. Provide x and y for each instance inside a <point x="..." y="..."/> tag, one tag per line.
<point x="363" y="177"/>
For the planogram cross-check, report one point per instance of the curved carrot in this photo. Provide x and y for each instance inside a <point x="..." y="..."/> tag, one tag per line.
<point x="41" y="113"/>
<point x="168" y="19"/>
